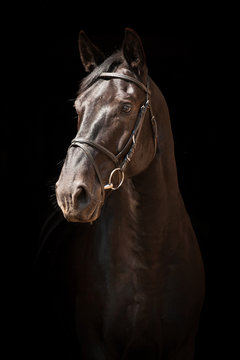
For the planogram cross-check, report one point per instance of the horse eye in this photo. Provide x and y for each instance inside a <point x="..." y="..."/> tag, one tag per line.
<point x="126" y="108"/>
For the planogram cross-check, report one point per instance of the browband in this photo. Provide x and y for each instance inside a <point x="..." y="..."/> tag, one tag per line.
<point x="125" y="77"/>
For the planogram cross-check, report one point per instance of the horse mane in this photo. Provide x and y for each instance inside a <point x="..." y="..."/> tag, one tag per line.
<point x="110" y="64"/>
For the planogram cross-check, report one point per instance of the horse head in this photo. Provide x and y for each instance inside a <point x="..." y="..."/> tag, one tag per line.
<point x="115" y="127"/>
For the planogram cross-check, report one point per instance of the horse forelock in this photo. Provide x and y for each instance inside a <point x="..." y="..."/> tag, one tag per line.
<point x="109" y="65"/>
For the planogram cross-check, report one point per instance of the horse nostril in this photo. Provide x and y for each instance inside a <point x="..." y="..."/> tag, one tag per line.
<point x="81" y="197"/>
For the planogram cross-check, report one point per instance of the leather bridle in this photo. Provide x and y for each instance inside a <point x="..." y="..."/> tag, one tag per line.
<point x="132" y="141"/>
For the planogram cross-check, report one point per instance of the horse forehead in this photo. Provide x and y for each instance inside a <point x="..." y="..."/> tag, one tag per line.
<point x="107" y="91"/>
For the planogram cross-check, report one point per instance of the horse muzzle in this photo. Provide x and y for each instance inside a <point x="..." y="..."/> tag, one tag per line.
<point x="79" y="204"/>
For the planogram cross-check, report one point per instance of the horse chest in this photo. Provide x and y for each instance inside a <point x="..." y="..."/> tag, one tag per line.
<point x="117" y="291"/>
<point x="120" y="297"/>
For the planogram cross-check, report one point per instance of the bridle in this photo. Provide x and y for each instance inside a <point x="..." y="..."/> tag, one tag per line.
<point x="132" y="141"/>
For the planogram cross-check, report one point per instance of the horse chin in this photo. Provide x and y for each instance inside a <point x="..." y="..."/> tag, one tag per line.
<point x="76" y="216"/>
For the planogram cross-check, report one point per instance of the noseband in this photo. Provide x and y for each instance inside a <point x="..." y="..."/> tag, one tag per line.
<point x="132" y="141"/>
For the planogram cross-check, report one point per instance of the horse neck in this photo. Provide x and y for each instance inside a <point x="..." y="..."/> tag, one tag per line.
<point x="157" y="187"/>
<point x="158" y="197"/>
<point x="139" y="221"/>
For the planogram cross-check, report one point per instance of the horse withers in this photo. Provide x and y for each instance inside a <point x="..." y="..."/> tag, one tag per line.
<point x="138" y="283"/>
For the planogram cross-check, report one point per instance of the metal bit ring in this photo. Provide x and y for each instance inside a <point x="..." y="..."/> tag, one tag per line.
<point x="110" y="184"/>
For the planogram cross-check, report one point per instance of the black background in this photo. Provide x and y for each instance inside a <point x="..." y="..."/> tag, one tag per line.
<point x="41" y="73"/>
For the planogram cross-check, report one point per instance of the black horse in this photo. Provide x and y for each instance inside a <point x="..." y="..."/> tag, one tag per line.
<point x="134" y="268"/>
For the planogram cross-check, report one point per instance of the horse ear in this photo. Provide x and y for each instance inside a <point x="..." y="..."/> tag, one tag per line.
<point x="90" y="55"/>
<point x="133" y="51"/>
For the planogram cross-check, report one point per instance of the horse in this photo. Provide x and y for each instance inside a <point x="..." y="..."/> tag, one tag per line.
<point x="135" y="270"/>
